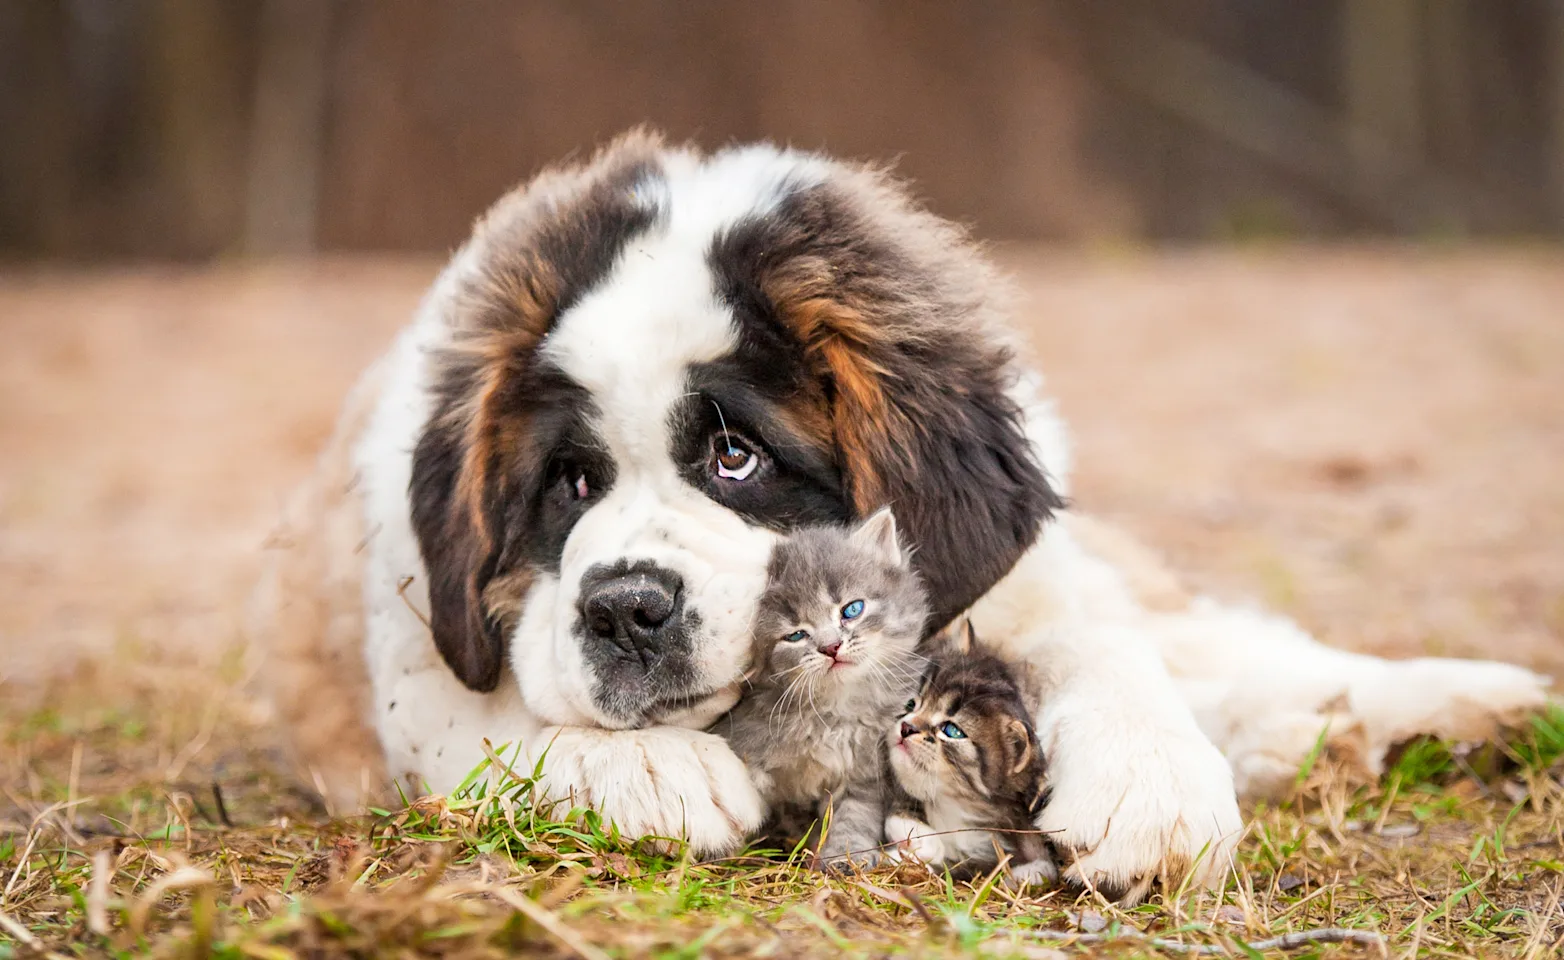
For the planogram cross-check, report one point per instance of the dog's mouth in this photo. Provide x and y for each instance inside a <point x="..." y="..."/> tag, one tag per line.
<point x="637" y="698"/>
<point x="696" y="709"/>
<point x="679" y="703"/>
<point x="670" y="693"/>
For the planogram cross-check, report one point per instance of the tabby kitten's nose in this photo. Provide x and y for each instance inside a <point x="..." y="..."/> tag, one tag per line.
<point x="907" y="730"/>
<point x="831" y="648"/>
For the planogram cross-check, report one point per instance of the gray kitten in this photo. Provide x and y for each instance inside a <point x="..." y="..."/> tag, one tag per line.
<point x="836" y="639"/>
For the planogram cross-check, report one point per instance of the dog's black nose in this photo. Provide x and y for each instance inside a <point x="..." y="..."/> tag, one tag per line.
<point x="633" y="610"/>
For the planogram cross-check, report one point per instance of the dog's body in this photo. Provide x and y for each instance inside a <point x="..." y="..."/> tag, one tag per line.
<point x="525" y="529"/>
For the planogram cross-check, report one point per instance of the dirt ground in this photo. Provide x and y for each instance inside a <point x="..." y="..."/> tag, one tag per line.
<point x="1369" y="440"/>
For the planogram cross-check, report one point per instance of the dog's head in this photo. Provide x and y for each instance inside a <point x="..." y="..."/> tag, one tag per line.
<point x="656" y="363"/>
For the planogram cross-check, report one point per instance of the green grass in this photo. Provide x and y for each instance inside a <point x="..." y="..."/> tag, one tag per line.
<point x="1455" y="852"/>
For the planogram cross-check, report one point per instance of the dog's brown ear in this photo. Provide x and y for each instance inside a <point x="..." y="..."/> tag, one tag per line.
<point x="451" y="513"/>
<point x="968" y="489"/>
<point x="895" y="316"/>
<point x="536" y="250"/>
<point x="934" y="431"/>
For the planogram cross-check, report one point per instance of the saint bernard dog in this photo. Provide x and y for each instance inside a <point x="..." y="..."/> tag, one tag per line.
<point x="546" y="514"/>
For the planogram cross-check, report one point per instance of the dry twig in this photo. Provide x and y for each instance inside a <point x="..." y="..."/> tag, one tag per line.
<point x="1289" y="941"/>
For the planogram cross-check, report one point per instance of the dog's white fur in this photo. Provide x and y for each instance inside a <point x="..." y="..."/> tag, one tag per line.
<point x="1145" y="689"/>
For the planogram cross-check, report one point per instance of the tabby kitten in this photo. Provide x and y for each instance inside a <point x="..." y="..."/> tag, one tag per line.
<point x="836" y="636"/>
<point x="970" y="773"/>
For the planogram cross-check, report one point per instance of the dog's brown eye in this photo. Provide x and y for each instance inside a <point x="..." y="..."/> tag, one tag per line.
<point x="575" y="480"/>
<point x="734" y="460"/>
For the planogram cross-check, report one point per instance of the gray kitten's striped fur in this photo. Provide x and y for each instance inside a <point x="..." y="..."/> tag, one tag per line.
<point x="812" y="728"/>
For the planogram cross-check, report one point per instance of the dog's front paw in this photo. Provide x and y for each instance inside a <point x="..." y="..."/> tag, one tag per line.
<point x="660" y="782"/>
<point x="1137" y="797"/>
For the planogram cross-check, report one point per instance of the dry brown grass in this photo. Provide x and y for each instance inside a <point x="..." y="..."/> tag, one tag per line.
<point x="140" y="818"/>
<point x="1366" y="440"/>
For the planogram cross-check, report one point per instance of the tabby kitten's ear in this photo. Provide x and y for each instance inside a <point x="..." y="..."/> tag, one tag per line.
<point x="878" y="535"/>
<point x="1018" y="744"/>
<point x="958" y="636"/>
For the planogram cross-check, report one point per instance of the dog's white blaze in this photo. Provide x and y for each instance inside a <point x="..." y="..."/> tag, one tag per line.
<point x="630" y="342"/>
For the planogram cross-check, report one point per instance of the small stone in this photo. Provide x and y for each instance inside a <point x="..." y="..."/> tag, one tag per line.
<point x="1231" y="914"/>
<point x="1289" y="882"/>
<point x="1089" y="921"/>
<point x="1516" y="791"/>
<point x="1400" y="831"/>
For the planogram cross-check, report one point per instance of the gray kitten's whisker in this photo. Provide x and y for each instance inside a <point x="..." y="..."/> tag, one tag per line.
<point x="813" y="706"/>
<point x="787" y="694"/>
<point x="814" y="736"/>
<point x="893" y="673"/>
<point x="782" y="673"/>
<point x="884" y="675"/>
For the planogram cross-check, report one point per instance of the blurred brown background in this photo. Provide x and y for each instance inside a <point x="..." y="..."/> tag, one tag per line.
<point x="199" y="128"/>
<point x="1359" y="427"/>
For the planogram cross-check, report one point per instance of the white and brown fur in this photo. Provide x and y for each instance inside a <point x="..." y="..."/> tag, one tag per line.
<point x="811" y="726"/>
<point x="591" y="329"/>
<point x="969" y="801"/>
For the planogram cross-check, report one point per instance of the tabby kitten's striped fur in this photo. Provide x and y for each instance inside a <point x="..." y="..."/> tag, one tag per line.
<point x="966" y="758"/>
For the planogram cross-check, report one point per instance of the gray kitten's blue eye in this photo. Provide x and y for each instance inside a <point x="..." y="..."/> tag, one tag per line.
<point x="853" y="610"/>
<point x="796" y="636"/>
<point x="952" y="731"/>
<point x="911" y="706"/>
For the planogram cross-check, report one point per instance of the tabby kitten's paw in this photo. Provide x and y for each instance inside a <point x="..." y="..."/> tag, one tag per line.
<point x="1037" y="873"/>
<point x="916" y="839"/>
<point x="850" y="863"/>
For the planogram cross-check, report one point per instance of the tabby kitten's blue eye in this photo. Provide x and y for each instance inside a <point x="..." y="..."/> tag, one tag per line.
<point x="853" y="610"/>
<point x="796" y="636"/>
<point x="952" y="731"/>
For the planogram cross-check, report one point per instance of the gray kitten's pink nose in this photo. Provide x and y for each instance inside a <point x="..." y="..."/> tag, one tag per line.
<point x="831" y="648"/>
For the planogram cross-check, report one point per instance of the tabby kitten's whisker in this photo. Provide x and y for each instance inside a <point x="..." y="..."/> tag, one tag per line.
<point x="975" y="792"/>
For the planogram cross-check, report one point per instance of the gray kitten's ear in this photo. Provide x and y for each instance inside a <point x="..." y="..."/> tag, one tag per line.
<point x="878" y="534"/>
